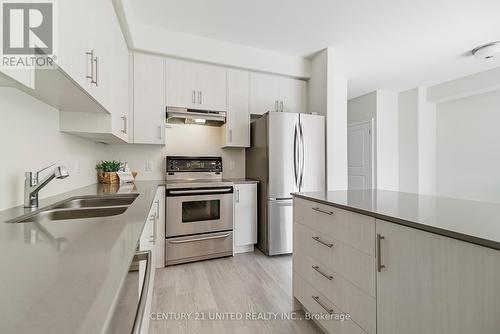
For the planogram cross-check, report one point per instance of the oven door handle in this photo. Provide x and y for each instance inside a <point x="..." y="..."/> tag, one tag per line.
<point x="200" y="191"/>
<point x="200" y="239"/>
<point x="139" y="256"/>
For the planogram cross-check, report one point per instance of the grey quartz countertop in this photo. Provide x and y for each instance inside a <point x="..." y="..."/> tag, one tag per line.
<point x="241" y="180"/>
<point x="65" y="276"/>
<point x="471" y="221"/>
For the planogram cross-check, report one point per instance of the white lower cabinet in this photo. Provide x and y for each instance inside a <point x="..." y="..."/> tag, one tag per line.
<point x="159" y="207"/>
<point x="424" y="282"/>
<point x="245" y="217"/>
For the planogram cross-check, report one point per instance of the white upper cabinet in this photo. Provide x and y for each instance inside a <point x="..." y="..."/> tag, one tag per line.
<point x="211" y="83"/>
<point x="149" y="99"/>
<point x="264" y="93"/>
<point x="181" y="83"/>
<point x="293" y="95"/>
<point x="75" y="39"/>
<point x="236" y="131"/>
<point x="195" y="86"/>
<point x="276" y="93"/>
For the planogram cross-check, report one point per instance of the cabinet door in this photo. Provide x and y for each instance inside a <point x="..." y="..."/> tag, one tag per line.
<point x="245" y="214"/>
<point x="159" y="207"/>
<point x="76" y="19"/>
<point x="237" y="127"/>
<point x="293" y="95"/>
<point x="434" y="284"/>
<point x="181" y="87"/>
<point x="264" y="93"/>
<point x="149" y="99"/>
<point x="211" y="84"/>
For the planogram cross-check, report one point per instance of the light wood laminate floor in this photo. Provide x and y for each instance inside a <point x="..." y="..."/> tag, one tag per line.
<point x="250" y="282"/>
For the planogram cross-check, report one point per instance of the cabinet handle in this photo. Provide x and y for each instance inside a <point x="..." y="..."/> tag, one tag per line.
<point x="281" y="106"/>
<point x="200" y="97"/>
<point x="276" y="105"/>
<point x="380" y="266"/>
<point x="329" y="310"/>
<point x="124" y="118"/>
<point x="96" y="60"/>
<point x="160" y="132"/>
<point x="91" y="76"/>
<point x="230" y="136"/>
<point x="330" y="277"/>
<point x="327" y="244"/>
<point x="323" y="211"/>
<point x="237" y="195"/>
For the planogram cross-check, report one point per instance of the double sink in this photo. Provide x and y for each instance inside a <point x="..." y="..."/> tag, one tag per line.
<point x="80" y="208"/>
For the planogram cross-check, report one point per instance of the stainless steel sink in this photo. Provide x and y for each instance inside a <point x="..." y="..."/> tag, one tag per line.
<point x="73" y="214"/>
<point x="80" y="208"/>
<point x="96" y="202"/>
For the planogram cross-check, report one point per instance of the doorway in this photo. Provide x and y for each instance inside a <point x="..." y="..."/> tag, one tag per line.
<point x="360" y="157"/>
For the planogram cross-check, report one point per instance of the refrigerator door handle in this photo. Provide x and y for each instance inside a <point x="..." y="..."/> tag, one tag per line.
<point x="302" y="157"/>
<point x="295" y="156"/>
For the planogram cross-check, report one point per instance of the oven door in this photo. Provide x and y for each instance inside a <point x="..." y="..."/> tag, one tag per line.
<point x="194" y="211"/>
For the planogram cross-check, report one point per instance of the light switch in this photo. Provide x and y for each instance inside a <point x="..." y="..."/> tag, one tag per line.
<point x="149" y="166"/>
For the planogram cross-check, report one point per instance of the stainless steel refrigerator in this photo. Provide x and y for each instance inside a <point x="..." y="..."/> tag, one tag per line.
<point x="287" y="155"/>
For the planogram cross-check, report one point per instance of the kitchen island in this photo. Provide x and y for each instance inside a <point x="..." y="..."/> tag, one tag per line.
<point x="65" y="276"/>
<point x="397" y="262"/>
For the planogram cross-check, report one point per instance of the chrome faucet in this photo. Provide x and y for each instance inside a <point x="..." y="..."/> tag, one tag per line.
<point x="32" y="186"/>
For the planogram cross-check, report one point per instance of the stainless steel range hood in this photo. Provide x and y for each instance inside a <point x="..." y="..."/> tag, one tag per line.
<point x="194" y="116"/>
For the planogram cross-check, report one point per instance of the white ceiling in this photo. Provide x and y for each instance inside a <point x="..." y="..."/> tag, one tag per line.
<point x="380" y="44"/>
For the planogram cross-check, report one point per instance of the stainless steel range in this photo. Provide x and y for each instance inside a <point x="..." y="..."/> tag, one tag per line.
<point x="199" y="210"/>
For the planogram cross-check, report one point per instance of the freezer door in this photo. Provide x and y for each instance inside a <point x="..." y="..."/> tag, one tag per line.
<point x="281" y="131"/>
<point x="312" y="153"/>
<point x="280" y="225"/>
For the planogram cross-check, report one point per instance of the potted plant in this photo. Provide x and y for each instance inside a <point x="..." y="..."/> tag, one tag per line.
<point x="106" y="171"/>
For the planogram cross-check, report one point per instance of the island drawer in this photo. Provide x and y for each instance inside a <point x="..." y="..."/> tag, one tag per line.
<point x="354" y="265"/>
<point x="351" y="228"/>
<point x="317" y="304"/>
<point x="350" y="298"/>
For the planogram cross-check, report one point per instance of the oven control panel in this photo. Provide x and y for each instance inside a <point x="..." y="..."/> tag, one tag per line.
<point x="194" y="164"/>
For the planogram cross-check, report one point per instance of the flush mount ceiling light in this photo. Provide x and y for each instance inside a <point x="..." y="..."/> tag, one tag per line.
<point x="487" y="51"/>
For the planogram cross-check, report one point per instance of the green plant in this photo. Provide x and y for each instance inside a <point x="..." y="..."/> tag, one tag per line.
<point x="108" y="166"/>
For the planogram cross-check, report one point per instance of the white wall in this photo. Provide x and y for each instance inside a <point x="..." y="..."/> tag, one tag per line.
<point x="181" y="139"/>
<point x="362" y="108"/>
<point x="30" y="139"/>
<point x="408" y="105"/>
<point x="328" y="97"/>
<point x="468" y="151"/>
<point x="387" y="141"/>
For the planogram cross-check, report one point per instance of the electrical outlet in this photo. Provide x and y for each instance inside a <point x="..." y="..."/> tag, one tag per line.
<point x="149" y="166"/>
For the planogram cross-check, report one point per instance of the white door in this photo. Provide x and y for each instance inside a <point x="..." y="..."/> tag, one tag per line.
<point x="264" y="93"/>
<point x="359" y="144"/>
<point x="237" y="127"/>
<point x="181" y="88"/>
<point x="211" y="87"/>
<point x="245" y="214"/>
<point x="149" y="99"/>
<point x="292" y="95"/>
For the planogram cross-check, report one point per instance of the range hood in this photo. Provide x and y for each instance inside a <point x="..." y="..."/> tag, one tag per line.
<point x="194" y="116"/>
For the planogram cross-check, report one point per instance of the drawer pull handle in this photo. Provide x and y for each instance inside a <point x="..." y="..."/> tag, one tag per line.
<point x="200" y="239"/>
<point x="323" y="211"/>
<point x="327" y="244"/>
<point x="316" y="299"/>
<point x="329" y="277"/>
<point x="380" y="266"/>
